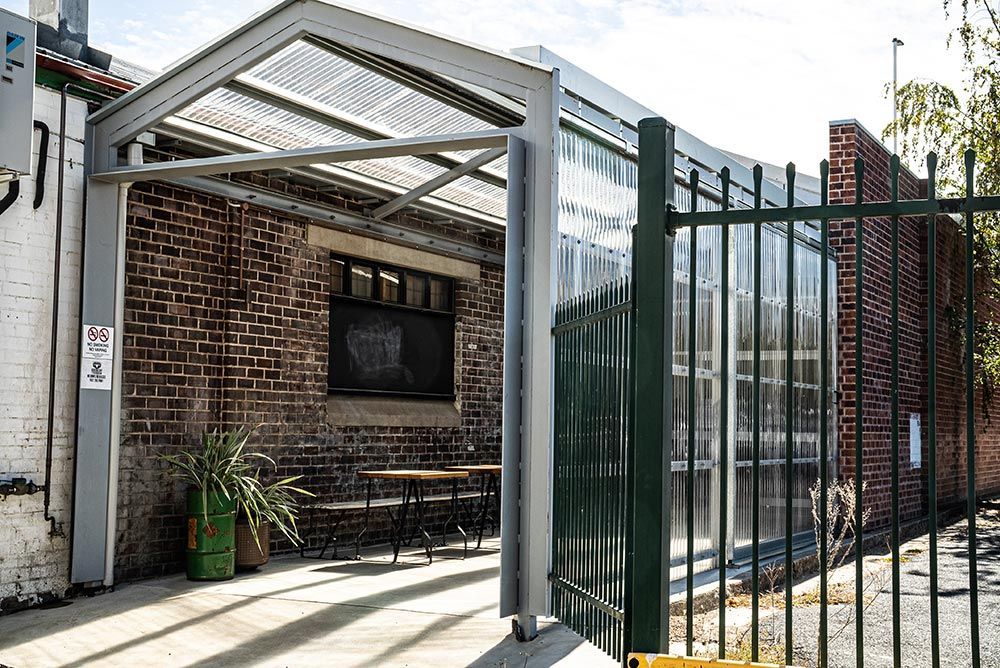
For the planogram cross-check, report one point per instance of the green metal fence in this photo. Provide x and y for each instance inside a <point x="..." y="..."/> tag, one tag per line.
<point x="643" y="614"/>
<point x="593" y="336"/>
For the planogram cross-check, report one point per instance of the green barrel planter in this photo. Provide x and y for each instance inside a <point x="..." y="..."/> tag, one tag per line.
<point x="211" y="536"/>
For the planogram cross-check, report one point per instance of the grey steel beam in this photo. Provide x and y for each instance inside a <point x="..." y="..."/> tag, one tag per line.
<point x="253" y="41"/>
<point x="513" y="314"/>
<point x="262" y="160"/>
<point x="301" y="105"/>
<point x="409" y="45"/>
<point x="204" y="71"/>
<point x="339" y="219"/>
<point x="541" y="135"/>
<point x="221" y="141"/>
<point x="439" y="182"/>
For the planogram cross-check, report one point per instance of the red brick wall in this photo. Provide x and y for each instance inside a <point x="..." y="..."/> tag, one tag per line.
<point x="204" y="349"/>
<point x="849" y="140"/>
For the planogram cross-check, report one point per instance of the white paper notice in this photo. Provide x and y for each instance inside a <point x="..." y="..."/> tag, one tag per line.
<point x="97" y="357"/>
<point x="915" y="440"/>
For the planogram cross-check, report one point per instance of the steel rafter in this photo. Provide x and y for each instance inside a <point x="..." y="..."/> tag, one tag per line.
<point x="250" y="162"/>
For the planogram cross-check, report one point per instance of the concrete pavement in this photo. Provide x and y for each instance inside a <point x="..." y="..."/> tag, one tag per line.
<point x="299" y="612"/>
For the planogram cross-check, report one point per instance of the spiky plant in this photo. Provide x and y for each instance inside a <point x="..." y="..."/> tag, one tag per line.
<point x="223" y="466"/>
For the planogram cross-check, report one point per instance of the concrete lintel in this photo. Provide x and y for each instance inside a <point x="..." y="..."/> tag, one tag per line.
<point x="369" y="248"/>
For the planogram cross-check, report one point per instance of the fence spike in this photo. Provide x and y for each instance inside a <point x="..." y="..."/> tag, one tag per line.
<point x="859" y="595"/>
<point x="824" y="181"/>
<point x="932" y="161"/>
<point x="758" y="179"/>
<point x="932" y="340"/>
<point x="724" y="416"/>
<point x="692" y="352"/>
<point x="859" y="178"/>
<point x="970" y="170"/>
<point x="824" y="447"/>
<point x="694" y="177"/>
<point x="725" y="188"/>
<point x="790" y="183"/>
<point x="894" y="177"/>
<point x="970" y="398"/>
<point x="894" y="417"/>
<point x="789" y="407"/>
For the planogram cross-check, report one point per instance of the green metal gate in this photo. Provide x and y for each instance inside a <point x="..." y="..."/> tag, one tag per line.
<point x="591" y="448"/>
<point x="593" y="335"/>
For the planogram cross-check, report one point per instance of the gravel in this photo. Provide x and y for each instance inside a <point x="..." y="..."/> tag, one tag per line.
<point x="953" y="597"/>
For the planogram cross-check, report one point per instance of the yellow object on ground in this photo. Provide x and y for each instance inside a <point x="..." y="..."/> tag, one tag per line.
<point x="636" y="660"/>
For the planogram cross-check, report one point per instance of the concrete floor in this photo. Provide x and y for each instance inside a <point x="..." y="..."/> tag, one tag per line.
<point x="299" y="612"/>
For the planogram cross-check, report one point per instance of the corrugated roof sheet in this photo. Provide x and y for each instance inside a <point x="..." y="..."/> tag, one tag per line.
<point x="361" y="96"/>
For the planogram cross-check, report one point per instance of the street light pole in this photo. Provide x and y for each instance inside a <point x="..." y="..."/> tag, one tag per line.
<point x="896" y="43"/>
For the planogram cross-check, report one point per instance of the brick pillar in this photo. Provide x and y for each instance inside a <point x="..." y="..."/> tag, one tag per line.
<point x="849" y="140"/>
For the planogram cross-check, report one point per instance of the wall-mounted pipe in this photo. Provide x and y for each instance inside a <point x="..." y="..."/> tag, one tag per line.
<point x="13" y="190"/>
<point x="56" y="529"/>
<point x="43" y="160"/>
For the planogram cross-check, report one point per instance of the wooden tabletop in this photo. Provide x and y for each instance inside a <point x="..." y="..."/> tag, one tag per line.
<point x="480" y="469"/>
<point x="413" y="474"/>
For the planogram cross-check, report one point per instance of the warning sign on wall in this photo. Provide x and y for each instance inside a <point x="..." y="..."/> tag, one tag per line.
<point x="97" y="358"/>
<point x="98" y="342"/>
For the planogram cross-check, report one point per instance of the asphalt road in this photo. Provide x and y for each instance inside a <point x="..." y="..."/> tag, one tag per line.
<point x="953" y="597"/>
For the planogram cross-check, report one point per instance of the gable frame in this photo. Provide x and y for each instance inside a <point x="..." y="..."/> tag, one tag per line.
<point x="222" y="60"/>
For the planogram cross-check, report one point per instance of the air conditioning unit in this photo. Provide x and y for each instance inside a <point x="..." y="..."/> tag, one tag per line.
<point x="17" y="94"/>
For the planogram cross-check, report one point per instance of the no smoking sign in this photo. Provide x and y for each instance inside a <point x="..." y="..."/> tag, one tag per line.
<point x="98" y="334"/>
<point x="98" y="351"/>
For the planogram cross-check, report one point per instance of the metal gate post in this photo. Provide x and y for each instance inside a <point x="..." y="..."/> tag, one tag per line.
<point x="648" y="532"/>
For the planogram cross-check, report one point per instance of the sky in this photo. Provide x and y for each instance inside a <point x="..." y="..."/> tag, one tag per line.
<point x="762" y="78"/>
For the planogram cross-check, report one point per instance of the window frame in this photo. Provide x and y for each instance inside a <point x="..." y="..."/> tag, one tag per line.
<point x="347" y="285"/>
<point x="377" y="267"/>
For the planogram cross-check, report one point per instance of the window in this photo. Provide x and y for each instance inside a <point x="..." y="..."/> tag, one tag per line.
<point x="361" y="281"/>
<point x="440" y="294"/>
<point x="392" y="330"/>
<point x="337" y="276"/>
<point x="388" y="285"/>
<point x="416" y="289"/>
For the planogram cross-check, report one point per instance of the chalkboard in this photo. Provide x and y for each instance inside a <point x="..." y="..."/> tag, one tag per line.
<point x="381" y="348"/>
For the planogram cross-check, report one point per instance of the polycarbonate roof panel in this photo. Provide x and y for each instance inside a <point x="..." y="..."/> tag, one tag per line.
<point x="340" y="84"/>
<point x="363" y="97"/>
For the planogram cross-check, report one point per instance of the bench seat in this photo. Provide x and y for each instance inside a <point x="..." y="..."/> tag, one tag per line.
<point x="339" y="508"/>
<point x="383" y="503"/>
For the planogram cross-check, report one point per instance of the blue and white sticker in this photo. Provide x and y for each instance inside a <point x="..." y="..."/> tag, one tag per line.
<point x="14" y="54"/>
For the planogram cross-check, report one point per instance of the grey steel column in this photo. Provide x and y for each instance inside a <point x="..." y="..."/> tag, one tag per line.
<point x="513" y="312"/>
<point x="94" y="406"/>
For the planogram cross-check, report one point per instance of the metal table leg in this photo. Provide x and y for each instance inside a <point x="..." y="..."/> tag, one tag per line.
<point x="454" y="516"/>
<point x="489" y="490"/>
<point x="419" y="505"/>
<point x="400" y="528"/>
<point x="364" y="530"/>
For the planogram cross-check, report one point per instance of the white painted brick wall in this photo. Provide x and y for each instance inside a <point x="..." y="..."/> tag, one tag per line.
<point x="34" y="565"/>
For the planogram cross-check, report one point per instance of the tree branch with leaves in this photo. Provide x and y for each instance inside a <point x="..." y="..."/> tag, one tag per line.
<point x="934" y="116"/>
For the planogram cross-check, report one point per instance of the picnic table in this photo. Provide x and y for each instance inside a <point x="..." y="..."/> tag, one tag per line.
<point x="413" y="498"/>
<point x="413" y="494"/>
<point x="489" y="487"/>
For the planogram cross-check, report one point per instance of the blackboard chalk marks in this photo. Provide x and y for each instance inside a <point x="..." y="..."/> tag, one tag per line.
<point x="390" y="349"/>
<point x="376" y="352"/>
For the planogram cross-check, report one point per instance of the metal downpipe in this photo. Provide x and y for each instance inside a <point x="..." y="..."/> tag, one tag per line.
<point x="55" y="529"/>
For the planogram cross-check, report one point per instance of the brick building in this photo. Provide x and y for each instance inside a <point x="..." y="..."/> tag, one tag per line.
<point x="233" y="290"/>
<point x="849" y="140"/>
<point x="227" y="324"/>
